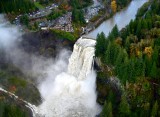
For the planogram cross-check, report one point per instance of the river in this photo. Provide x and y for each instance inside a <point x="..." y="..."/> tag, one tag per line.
<point x="68" y="94"/>
<point x="121" y="18"/>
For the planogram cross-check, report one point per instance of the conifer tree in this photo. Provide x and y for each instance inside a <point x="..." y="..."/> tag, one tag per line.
<point x="107" y="110"/>
<point x="153" y="72"/>
<point x="115" y="31"/>
<point x="100" y="45"/>
<point x="124" y="109"/>
<point x="154" y="110"/>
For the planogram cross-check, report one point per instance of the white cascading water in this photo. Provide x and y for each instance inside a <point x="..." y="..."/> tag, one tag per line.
<point x="80" y="62"/>
<point x="73" y="92"/>
<point x="65" y="92"/>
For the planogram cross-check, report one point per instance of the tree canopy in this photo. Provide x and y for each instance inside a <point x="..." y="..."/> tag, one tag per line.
<point x="16" y="6"/>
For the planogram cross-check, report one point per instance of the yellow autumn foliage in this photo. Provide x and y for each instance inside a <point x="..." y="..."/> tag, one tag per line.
<point x="148" y="51"/>
<point x="114" y="5"/>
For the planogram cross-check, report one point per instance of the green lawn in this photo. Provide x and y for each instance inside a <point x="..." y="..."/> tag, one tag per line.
<point x="39" y="6"/>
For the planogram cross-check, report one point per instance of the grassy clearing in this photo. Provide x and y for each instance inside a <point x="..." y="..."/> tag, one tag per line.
<point x="39" y="6"/>
<point x="65" y="35"/>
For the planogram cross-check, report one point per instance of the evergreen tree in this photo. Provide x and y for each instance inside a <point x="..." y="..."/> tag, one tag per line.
<point x="155" y="55"/>
<point x="16" y="6"/>
<point x="124" y="109"/>
<point x="24" y="20"/>
<point x="113" y="34"/>
<point x="107" y="110"/>
<point x="138" y="30"/>
<point x="153" y="72"/>
<point x="100" y="45"/>
<point x="139" y="67"/>
<point x="78" y="16"/>
<point x="145" y="111"/>
<point x="81" y="17"/>
<point x="148" y="65"/>
<point x="144" y="24"/>
<point x="109" y="54"/>
<point x="154" y="110"/>
<point x="115" y="31"/>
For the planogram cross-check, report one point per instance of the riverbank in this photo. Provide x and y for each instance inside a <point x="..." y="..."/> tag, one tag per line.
<point x="80" y="30"/>
<point x="121" y="19"/>
<point x="103" y="15"/>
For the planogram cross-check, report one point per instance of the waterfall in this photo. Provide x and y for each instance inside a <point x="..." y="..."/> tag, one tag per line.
<point x="67" y="89"/>
<point x="73" y="92"/>
<point x="70" y="92"/>
<point x="80" y="62"/>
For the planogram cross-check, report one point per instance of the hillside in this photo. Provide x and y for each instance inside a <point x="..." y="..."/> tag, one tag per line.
<point x="14" y="80"/>
<point x="127" y="61"/>
<point x="132" y="56"/>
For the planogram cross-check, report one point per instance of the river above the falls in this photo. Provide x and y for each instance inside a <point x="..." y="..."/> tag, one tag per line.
<point x="121" y="18"/>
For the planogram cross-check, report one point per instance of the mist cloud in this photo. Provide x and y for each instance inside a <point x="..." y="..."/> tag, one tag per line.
<point x="8" y="33"/>
<point x="30" y="64"/>
<point x="63" y="94"/>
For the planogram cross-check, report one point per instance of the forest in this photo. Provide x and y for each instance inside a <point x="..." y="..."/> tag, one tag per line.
<point x="130" y="56"/>
<point x="77" y="13"/>
<point x="133" y="56"/>
<point x="16" y="6"/>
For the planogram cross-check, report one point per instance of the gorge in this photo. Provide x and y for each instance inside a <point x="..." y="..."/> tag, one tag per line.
<point x="73" y="92"/>
<point x="67" y="92"/>
<point x="68" y="89"/>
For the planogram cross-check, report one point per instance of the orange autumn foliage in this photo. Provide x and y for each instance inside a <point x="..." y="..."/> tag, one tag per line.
<point x="12" y="89"/>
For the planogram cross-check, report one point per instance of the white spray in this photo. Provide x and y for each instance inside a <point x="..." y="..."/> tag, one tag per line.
<point x="73" y="92"/>
<point x="67" y="90"/>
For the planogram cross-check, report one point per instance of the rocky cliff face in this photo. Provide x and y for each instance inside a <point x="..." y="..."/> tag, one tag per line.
<point x="44" y="43"/>
<point x="14" y="80"/>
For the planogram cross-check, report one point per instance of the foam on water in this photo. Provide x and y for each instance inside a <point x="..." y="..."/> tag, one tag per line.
<point x="73" y="92"/>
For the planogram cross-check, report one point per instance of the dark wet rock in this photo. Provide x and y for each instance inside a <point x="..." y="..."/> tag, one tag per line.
<point x="44" y="43"/>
